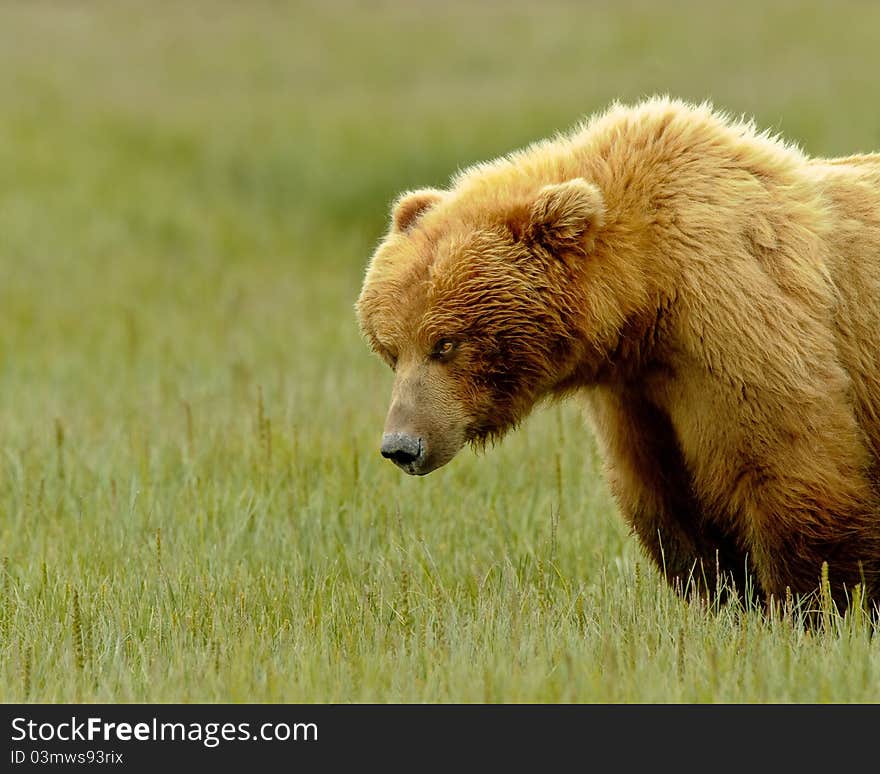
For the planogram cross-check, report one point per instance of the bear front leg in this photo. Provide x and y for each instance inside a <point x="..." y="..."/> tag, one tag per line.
<point x="650" y="482"/>
<point x="798" y="485"/>
<point x="798" y="524"/>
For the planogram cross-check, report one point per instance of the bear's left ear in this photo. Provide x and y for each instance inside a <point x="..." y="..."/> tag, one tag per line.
<point x="409" y="206"/>
<point x="565" y="217"/>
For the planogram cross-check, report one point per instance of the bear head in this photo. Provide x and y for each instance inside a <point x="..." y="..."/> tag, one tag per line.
<point x="476" y="300"/>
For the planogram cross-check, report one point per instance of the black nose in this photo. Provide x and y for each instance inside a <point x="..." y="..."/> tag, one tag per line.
<point x="401" y="448"/>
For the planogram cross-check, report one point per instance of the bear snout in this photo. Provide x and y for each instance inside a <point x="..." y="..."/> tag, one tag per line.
<point x="404" y="450"/>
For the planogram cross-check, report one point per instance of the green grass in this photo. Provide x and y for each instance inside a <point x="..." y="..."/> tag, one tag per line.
<point x="193" y="505"/>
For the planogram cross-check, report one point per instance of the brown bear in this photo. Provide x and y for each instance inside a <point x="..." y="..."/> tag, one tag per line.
<point x="709" y="292"/>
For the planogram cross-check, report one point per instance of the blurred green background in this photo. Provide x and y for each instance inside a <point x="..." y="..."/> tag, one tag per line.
<point x="193" y="506"/>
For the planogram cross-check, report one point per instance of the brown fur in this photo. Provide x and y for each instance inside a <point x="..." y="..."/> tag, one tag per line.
<point x="710" y="293"/>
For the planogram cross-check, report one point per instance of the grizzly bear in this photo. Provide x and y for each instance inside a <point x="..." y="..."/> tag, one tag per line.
<point x="712" y="296"/>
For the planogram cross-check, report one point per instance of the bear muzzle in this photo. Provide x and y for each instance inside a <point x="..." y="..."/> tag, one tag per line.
<point x="425" y="426"/>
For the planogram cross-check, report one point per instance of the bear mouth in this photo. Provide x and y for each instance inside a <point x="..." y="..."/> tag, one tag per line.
<point x="418" y="467"/>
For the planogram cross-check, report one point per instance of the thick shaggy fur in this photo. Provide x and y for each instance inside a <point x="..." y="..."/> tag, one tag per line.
<point x="709" y="292"/>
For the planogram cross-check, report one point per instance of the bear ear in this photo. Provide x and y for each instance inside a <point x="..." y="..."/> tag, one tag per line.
<point x="409" y="206"/>
<point x="565" y="217"/>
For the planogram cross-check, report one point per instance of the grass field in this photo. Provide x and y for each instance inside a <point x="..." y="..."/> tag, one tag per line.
<point x="192" y="503"/>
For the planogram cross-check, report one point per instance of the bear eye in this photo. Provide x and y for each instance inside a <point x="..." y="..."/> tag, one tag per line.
<point x="443" y="349"/>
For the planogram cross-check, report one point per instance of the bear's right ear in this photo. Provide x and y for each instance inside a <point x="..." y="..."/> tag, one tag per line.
<point x="565" y="217"/>
<point x="409" y="206"/>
